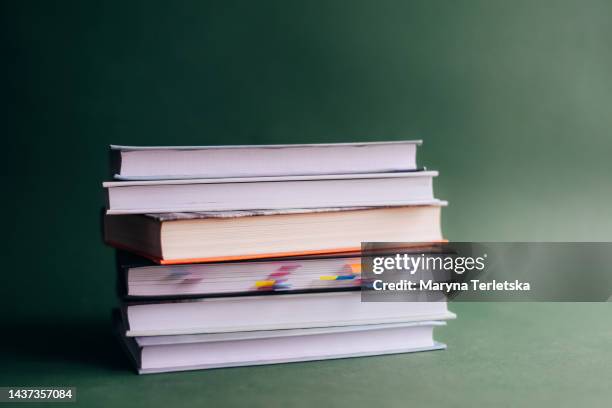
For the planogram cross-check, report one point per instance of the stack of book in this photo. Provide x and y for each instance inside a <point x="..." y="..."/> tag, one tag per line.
<point x="244" y="255"/>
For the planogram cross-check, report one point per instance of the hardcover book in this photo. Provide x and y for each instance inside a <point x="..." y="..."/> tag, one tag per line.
<point x="181" y="162"/>
<point x="278" y="312"/>
<point x="180" y="238"/>
<point x="156" y="354"/>
<point x="257" y="193"/>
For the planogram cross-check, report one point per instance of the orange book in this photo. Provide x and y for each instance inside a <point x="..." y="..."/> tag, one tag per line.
<point x="179" y="238"/>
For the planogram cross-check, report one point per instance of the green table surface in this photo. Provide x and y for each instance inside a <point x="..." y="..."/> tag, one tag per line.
<point x="499" y="354"/>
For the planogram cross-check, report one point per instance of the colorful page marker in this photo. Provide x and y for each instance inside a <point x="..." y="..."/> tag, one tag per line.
<point x="355" y="268"/>
<point x="288" y="268"/>
<point x="265" y="283"/>
<point x="337" y="277"/>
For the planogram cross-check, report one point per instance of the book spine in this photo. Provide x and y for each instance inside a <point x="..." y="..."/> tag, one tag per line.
<point x="114" y="160"/>
<point x="121" y="285"/>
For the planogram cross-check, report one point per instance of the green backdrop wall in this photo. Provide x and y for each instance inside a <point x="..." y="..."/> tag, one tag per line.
<point x="513" y="100"/>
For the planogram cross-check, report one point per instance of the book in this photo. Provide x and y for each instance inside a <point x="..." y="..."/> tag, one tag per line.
<point x="140" y="278"/>
<point x="283" y="192"/>
<point x="181" y="162"/>
<point x="273" y="312"/>
<point x="227" y="278"/>
<point x="180" y="238"/>
<point x="158" y="354"/>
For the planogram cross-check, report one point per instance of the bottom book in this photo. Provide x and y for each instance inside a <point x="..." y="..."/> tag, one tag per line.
<point x="156" y="354"/>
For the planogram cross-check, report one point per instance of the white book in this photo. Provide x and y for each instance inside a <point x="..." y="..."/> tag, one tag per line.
<point x="203" y="279"/>
<point x="253" y="193"/>
<point x="158" y="354"/>
<point x="273" y="312"/>
<point x="180" y="162"/>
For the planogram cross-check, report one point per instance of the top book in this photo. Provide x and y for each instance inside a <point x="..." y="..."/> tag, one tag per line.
<point x="186" y="162"/>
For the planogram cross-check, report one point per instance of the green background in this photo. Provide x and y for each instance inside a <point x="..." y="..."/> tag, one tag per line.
<point x="513" y="100"/>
